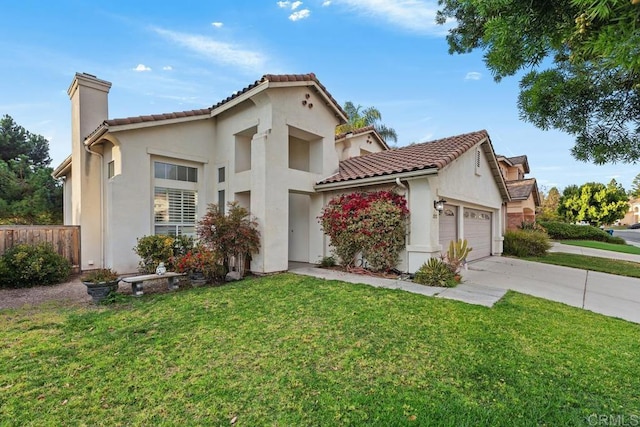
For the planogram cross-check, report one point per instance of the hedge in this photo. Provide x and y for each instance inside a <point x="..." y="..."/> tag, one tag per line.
<point x="564" y="231"/>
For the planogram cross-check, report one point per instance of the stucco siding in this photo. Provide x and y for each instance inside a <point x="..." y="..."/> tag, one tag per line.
<point x="129" y="195"/>
<point x="459" y="180"/>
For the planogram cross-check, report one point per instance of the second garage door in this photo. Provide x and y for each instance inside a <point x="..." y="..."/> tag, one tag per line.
<point x="477" y="231"/>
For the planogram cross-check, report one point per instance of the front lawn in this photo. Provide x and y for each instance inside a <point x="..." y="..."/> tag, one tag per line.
<point x="603" y="265"/>
<point x="290" y="350"/>
<point x="627" y="249"/>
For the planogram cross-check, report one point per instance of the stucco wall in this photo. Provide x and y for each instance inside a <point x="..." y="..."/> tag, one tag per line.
<point x="356" y="145"/>
<point x="129" y="194"/>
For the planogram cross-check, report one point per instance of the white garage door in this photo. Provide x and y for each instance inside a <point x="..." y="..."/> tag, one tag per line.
<point x="477" y="231"/>
<point x="448" y="226"/>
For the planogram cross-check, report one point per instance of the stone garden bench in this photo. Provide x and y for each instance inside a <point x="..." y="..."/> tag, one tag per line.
<point x="137" y="281"/>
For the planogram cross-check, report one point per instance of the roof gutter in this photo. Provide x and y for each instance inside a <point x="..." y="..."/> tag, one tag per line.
<point x="383" y="179"/>
<point x="95" y="137"/>
<point x="63" y="169"/>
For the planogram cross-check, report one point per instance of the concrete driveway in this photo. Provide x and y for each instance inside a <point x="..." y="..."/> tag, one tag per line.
<point x="611" y="295"/>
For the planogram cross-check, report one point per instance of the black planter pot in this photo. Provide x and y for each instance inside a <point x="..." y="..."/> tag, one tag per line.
<point x="197" y="278"/>
<point x="100" y="291"/>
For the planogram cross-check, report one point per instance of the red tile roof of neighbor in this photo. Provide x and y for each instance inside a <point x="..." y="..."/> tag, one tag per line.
<point x="275" y="78"/>
<point x="428" y="155"/>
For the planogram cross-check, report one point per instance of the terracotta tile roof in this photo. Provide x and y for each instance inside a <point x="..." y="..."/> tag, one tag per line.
<point x="428" y="155"/>
<point x="276" y="78"/>
<point x="283" y="78"/>
<point x="157" y="117"/>
<point x="521" y="189"/>
<point x="362" y="131"/>
<point x="356" y="132"/>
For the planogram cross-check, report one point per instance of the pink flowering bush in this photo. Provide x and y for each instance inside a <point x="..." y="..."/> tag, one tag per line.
<point x="373" y="223"/>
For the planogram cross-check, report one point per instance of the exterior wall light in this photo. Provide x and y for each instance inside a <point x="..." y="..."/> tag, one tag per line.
<point x="439" y="204"/>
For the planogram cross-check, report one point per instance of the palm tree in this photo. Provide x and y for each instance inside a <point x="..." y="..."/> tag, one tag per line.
<point x="360" y="117"/>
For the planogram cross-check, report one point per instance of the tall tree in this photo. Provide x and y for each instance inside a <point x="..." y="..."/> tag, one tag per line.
<point x="635" y="187"/>
<point x="594" y="202"/>
<point x="28" y="192"/>
<point x="592" y="88"/>
<point x="360" y="117"/>
<point x="549" y="206"/>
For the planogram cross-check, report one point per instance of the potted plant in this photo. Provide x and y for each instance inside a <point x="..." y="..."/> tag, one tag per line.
<point x="200" y="264"/>
<point x="100" y="283"/>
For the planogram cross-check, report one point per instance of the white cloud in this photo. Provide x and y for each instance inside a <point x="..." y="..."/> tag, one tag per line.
<point x="473" y="75"/>
<point x="412" y="15"/>
<point x="221" y="52"/>
<point x="295" y="5"/>
<point x="217" y="24"/>
<point x="142" y="67"/>
<point x="167" y="68"/>
<point x="301" y="14"/>
<point x="284" y="4"/>
<point x="326" y="3"/>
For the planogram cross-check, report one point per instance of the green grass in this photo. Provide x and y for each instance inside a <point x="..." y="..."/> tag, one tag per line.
<point x="627" y="249"/>
<point x="289" y="350"/>
<point x="603" y="265"/>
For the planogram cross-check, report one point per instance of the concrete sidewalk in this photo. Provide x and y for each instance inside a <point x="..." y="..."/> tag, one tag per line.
<point x="487" y="280"/>
<point x="469" y="293"/>
<point x="607" y="294"/>
<point x="579" y="250"/>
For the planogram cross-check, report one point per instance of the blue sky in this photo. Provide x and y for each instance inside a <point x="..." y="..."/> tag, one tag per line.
<point x="173" y="56"/>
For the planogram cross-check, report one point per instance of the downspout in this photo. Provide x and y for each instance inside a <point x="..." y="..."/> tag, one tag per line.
<point x="102" y="251"/>
<point x="407" y="227"/>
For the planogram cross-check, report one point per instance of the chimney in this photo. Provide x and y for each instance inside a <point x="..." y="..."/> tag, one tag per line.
<point x="89" y="109"/>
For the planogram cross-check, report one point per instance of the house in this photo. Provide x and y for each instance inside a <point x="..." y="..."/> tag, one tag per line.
<point x="271" y="147"/>
<point x="524" y="194"/>
<point x="633" y="215"/>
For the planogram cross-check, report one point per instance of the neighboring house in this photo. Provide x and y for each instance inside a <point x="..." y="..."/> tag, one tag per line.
<point x="633" y="216"/>
<point x="359" y="142"/>
<point x="272" y="147"/>
<point x="524" y="194"/>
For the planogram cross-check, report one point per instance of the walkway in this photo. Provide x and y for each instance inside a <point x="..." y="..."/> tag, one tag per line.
<point x="487" y="280"/>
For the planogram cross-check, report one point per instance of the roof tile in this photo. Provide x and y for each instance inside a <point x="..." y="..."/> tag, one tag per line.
<point x="521" y="189"/>
<point x="428" y="155"/>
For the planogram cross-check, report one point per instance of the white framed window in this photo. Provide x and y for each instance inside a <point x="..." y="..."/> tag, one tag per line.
<point x="175" y="211"/>
<point x="111" y="169"/>
<point x="173" y="172"/>
<point x="175" y="199"/>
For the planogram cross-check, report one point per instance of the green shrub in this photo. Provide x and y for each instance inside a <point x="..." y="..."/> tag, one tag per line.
<point x="564" y="231"/>
<point x="435" y="273"/>
<point x="33" y="265"/>
<point x="160" y="248"/>
<point x="327" y="261"/>
<point x="531" y="226"/>
<point x="522" y="243"/>
<point x="616" y="240"/>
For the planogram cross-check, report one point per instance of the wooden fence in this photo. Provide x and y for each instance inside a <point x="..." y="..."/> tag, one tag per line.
<point x="65" y="239"/>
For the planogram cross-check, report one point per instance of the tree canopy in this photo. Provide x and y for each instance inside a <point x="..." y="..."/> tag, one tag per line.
<point x="594" y="203"/>
<point x="635" y="187"/>
<point x="360" y="117"/>
<point x="549" y="205"/>
<point x="591" y="89"/>
<point x="28" y="192"/>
